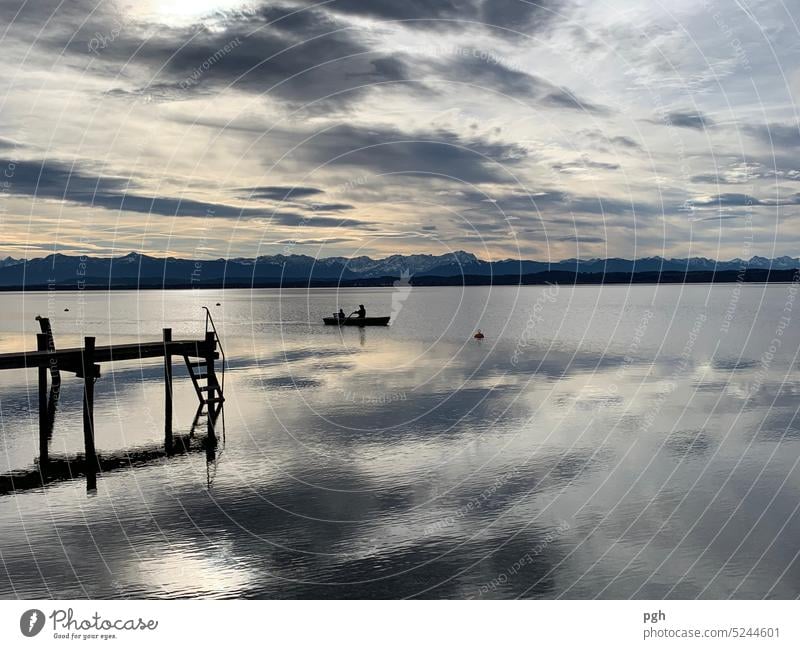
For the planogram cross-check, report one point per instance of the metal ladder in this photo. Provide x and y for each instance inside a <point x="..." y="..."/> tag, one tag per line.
<point x="210" y="389"/>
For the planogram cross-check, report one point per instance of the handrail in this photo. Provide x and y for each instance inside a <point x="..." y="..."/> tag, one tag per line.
<point x="210" y="320"/>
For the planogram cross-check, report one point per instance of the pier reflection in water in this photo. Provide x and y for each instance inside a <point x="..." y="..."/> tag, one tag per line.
<point x="56" y="468"/>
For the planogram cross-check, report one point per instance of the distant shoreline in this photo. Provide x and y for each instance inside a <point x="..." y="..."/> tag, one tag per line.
<point x="563" y="278"/>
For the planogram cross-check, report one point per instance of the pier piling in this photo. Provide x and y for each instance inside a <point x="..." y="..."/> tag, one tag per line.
<point x="44" y="433"/>
<point x="167" y="391"/>
<point x="88" y="411"/>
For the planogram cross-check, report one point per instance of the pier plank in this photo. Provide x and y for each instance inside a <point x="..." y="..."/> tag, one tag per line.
<point x="70" y="359"/>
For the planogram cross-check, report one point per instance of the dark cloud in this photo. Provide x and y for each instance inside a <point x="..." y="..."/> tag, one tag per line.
<point x="483" y="69"/>
<point x="53" y="15"/>
<point x="331" y="68"/>
<point x="296" y="56"/>
<point x="281" y="193"/>
<point x="331" y="207"/>
<point x="521" y="15"/>
<point x="775" y="135"/>
<point x="54" y="180"/>
<point x="5" y="143"/>
<point x="514" y="15"/>
<point x="315" y="242"/>
<point x="732" y="199"/>
<point x="583" y="164"/>
<point x="602" y="141"/>
<point x="688" y="119"/>
<point x="438" y="153"/>
<point x="489" y="72"/>
<point x="564" y="98"/>
<point x="544" y="203"/>
<point x="302" y="56"/>
<point x="611" y="206"/>
<point x="408" y="9"/>
<point x="717" y="179"/>
<point x="727" y="200"/>
<point x="292" y="219"/>
<point x="389" y="150"/>
<point x="625" y="141"/>
<point x="717" y="217"/>
<point x="581" y="239"/>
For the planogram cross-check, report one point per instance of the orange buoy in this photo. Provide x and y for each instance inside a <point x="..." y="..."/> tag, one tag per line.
<point x="479" y="335"/>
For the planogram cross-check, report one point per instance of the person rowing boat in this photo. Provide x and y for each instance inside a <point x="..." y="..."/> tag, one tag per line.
<point x="359" y="313"/>
<point x="357" y="318"/>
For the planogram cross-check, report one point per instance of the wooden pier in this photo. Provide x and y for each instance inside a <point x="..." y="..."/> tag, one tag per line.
<point x="85" y="362"/>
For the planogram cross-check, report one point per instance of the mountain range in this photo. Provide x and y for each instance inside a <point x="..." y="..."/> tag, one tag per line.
<point x="143" y="271"/>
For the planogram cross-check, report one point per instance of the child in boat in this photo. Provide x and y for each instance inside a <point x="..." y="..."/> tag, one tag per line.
<point x="341" y="314"/>
<point x="362" y="312"/>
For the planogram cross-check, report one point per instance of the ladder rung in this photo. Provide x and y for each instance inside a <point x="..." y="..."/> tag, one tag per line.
<point x="206" y="388"/>
<point x="215" y="400"/>
<point x="201" y="375"/>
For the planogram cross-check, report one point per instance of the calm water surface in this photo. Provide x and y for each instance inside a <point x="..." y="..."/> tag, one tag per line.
<point x="599" y="442"/>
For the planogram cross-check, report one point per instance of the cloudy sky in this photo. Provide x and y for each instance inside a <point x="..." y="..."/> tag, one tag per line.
<point x="547" y="130"/>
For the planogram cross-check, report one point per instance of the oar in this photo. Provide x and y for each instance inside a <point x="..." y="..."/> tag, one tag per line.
<point x="350" y="316"/>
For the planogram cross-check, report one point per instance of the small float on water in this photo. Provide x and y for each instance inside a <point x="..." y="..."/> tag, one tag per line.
<point x="479" y="335"/>
<point x="379" y="321"/>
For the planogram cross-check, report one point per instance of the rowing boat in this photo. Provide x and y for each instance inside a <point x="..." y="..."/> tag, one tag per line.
<point x="359" y="322"/>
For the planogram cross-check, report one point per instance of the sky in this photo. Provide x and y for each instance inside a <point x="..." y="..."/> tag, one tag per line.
<point x="507" y="128"/>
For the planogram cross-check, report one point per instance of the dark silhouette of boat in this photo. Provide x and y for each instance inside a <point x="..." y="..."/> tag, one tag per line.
<point x="358" y="322"/>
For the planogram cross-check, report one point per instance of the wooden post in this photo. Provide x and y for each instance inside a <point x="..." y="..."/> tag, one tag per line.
<point x="167" y="392"/>
<point x="88" y="412"/>
<point x="211" y="381"/>
<point x="55" y="374"/>
<point x="44" y="418"/>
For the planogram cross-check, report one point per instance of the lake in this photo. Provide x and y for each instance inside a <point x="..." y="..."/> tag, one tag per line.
<point x="611" y="442"/>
